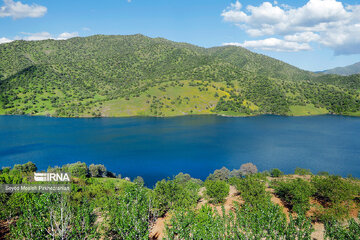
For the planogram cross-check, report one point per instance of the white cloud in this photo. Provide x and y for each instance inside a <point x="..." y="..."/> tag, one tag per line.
<point x="19" y="10"/>
<point x="303" y="37"/>
<point x="86" y="29"/>
<point x="5" y="40"/>
<point x="66" y="35"/>
<point x="273" y="44"/>
<point x="40" y="36"/>
<point x="34" y="36"/>
<point x="326" y="22"/>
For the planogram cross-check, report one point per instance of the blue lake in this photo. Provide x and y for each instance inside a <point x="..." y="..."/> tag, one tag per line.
<point x="156" y="148"/>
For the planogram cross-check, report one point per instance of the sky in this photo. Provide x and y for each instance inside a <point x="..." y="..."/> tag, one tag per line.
<point x="310" y="34"/>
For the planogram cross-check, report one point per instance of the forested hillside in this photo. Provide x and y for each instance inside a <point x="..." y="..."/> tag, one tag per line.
<point x="345" y="71"/>
<point x="137" y="75"/>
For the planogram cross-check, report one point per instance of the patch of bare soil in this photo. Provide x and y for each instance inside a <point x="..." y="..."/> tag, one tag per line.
<point x="158" y="230"/>
<point x="318" y="234"/>
<point x="278" y="201"/>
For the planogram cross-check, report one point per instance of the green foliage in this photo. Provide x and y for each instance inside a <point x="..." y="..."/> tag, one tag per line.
<point x="129" y="214"/>
<point x="50" y="216"/>
<point x="275" y="172"/>
<point x="334" y="230"/>
<point x="204" y="223"/>
<point x="217" y="190"/>
<point x="26" y="168"/>
<point x="333" y="189"/>
<point x="171" y="194"/>
<point x="252" y="190"/>
<point x="97" y="170"/>
<point x="296" y="193"/>
<point x="220" y="174"/>
<point x="265" y="222"/>
<point x="77" y="169"/>
<point x="139" y="181"/>
<point x="302" y="171"/>
<point x="335" y="193"/>
<point x="79" y="76"/>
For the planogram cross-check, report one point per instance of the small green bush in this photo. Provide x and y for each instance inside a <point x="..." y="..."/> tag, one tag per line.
<point x="296" y="193"/>
<point x="276" y="172"/>
<point x="302" y="171"/>
<point x="252" y="189"/>
<point x="217" y="190"/>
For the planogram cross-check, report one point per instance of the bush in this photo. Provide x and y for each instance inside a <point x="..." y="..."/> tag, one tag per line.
<point x="217" y="190"/>
<point x="333" y="189"/>
<point x="77" y="169"/>
<point x="252" y="189"/>
<point x="97" y="170"/>
<point x="335" y="230"/>
<point x="220" y="174"/>
<point x="302" y="171"/>
<point x="27" y="167"/>
<point x="172" y="195"/>
<point x="248" y="168"/>
<point x="129" y="214"/>
<point x="276" y="172"/>
<point x="139" y="181"/>
<point x="322" y="173"/>
<point x="5" y="170"/>
<point x="296" y="193"/>
<point x="335" y="194"/>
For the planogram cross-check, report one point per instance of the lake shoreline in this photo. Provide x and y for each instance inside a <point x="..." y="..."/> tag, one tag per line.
<point x="184" y="115"/>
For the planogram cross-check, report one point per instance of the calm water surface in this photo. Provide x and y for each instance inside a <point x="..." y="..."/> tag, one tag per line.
<point x="156" y="148"/>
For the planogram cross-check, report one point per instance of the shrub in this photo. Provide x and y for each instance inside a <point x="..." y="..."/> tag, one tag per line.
<point x="172" y="195"/>
<point x="335" y="230"/>
<point x="128" y="214"/>
<point x="6" y="170"/>
<point x="97" y="170"/>
<point x="220" y="174"/>
<point x="248" y="168"/>
<point x="276" y="172"/>
<point x="335" y="194"/>
<point x="77" y="169"/>
<point x="252" y="189"/>
<point x="296" y="193"/>
<point x="27" y="167"/>
<point x="52" y="216"/>
<point x="139" y="181"/>
<point x="204" y="223"/>
<point x="182" y="178"/>
<point x="302" y="171"/>
<point x="333" y="189"/>
<point x="322" y="173"/>
<point x="217" y="190"/>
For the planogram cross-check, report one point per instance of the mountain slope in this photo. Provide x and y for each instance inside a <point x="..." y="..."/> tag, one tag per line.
<point x="345" y="71"/>
<point x="137" y="75"/>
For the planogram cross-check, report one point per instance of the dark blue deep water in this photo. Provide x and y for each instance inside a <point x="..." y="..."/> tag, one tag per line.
<point x="156" y="148"/>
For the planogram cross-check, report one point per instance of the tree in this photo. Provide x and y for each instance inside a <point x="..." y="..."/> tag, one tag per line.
<point x="248" y="168"/>
<point x="275" y="172"/>
<point x="220" y="174"/>
<point x="139" y="181"/>
<point x="97" y="170"/>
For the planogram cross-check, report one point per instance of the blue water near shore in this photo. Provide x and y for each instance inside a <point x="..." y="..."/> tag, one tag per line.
<point x="156" y="148"/>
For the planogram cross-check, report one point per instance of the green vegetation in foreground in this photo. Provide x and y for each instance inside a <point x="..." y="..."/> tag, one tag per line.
<point x="140" y="76"/>
<point x="102" y="206"/>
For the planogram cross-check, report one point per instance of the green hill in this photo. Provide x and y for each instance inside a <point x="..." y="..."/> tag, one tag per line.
<point x="137" y="75"/>
<point x="345" y="71"/>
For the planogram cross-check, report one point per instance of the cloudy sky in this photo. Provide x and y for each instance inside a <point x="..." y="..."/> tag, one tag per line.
<point x="310" y="34"/>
